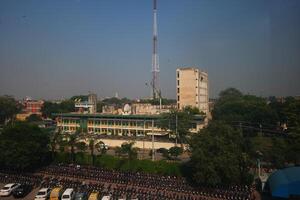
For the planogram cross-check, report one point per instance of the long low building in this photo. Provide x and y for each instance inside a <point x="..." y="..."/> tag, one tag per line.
<point x="121" y="125"/>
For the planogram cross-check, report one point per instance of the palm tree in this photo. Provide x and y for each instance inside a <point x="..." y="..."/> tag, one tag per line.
<point x="128" y="149"/>
<point x="99" y="146"/>
<point x="92" y="148"/>
<point x="71" y="141"/>
<point x="54" y="141"/>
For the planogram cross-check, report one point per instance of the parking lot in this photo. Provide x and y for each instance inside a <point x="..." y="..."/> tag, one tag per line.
<point x="30" y="196"/>
<point x="119" y="184"/>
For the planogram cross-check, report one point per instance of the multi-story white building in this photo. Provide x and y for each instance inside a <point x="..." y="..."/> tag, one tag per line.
<point x="192" y="88"/>
<point x="89" y="106"/>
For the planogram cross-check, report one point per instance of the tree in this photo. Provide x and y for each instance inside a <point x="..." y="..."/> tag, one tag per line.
<point x="293" y="147"/>
<point x="192" y="110"/>
<point x="175" y="151"/>
<point x="71" y="140"/>
<point x="164" y="152"/>
<point x="8" y="108"/>
<point x="49" y="108"/>
<point x="218" y="156"/>
<point x="64" y="107"/>
<point x="55" y="138"/>
<point x="128" y="150"/>
<point x="23" y="146"/>
<point x="178" y="122"/>
<point x="232" y="106"/>
<point x="33" y="118"/>
<point x="99" y="146"/>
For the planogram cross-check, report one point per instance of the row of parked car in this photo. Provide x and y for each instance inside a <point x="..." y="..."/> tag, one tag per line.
<point x="57" y="193"/>
<point x="16" y="189"/>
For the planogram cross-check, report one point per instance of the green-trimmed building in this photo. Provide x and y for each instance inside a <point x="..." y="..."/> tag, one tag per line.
<point x="121" y="125"/>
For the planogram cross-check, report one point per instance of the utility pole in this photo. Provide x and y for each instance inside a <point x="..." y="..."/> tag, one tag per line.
<point x="153" y="156"/>
<point x="176" y="123"/>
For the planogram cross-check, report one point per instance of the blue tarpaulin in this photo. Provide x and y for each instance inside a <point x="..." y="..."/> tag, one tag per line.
<point x="285" y="182"/>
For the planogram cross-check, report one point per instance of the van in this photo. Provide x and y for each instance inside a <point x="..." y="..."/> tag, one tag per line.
<point x="69" y="194"/>
<point x="56" y="193"/>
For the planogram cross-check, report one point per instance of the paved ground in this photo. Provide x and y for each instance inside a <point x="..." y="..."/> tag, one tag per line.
<point x="30" y="196"/>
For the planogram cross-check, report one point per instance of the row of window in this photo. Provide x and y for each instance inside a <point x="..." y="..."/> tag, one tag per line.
<point x="117" y="131"/>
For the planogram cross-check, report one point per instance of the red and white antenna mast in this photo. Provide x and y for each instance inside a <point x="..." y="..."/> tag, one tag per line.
<point x="155" y="64"/>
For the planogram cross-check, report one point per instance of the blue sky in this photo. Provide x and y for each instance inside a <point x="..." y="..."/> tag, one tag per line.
<point x="58" y="48"/>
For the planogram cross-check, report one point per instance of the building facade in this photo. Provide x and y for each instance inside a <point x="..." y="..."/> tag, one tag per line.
<point x="119" y="125"/>
<point x="192" y="88"/>
<point x="89" y="106"/>
<point x="30" y="107"/>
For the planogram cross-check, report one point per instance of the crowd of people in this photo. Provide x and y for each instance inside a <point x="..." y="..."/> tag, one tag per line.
<point x="141" y="185"/>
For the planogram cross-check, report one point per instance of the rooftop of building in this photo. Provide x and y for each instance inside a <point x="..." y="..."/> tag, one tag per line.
<point x="190" y="68"/>
<point x="102" y="115"/>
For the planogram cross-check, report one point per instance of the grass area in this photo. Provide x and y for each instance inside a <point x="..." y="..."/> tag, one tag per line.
<point x="111" y="162"/>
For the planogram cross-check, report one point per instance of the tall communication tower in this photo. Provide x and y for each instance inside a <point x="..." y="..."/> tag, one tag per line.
<point x="155" y="64"/>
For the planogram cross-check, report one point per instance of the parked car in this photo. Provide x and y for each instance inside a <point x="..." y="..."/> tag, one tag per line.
<point x="8" y="189"/>
<point x="81" y="196"/>
<point x="106" y="197"/>
<point x="56" y="193"/>
<point x="22" y="191"/>
<point x="68" y="194"/>
<point x="43" y="194"/>
<point x="94" y="196"/>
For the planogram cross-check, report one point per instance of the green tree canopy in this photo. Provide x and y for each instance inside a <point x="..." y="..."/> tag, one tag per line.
<point x="33" y="118"/>
<point x="64" y="107"/>
<point x="23" y="146"/>
<point x="8" y="108"/>
<point x="128" y="150"/>
<point x="175" y="151"/>
<point x="218" y="156"/>
<point x="178" y="122"/>
<point x="233" y="106"/>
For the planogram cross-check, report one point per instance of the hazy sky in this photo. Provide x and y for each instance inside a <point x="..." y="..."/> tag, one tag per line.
<point x="58" y="48"/>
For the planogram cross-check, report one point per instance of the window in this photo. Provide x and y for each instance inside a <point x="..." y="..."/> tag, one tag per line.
<point x="177" y="74"/>
<point x="178" y="98"/>
<point x="177" y="90"/>
<point x="177" y="82"/>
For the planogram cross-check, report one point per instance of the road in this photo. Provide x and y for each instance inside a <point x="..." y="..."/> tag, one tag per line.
<point x="30" y="196"/>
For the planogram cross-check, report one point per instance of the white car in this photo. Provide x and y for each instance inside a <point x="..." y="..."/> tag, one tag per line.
<point x="7" y="189"/>
<point x="69" y="194"/>
<point x="105" y="198"/>
<point x="43" y="194"/>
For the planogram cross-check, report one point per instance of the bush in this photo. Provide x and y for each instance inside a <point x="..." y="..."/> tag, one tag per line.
<point x="83" y="159"/>
<point x="107" y="161"/>
<point x="62" y="157"/>
<point x="175" y="151"/>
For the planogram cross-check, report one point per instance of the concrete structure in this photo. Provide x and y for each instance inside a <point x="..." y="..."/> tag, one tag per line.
<point x="139" y="143"/>
<point x="30" y="107"/>
<point x="33" y="106"/>
<point x="89" y="106"/>
<point x="118" y="125"/>
<point x="149" y="109"/>
<point x="192" y="88"/>
<point x="138" y="109"/>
